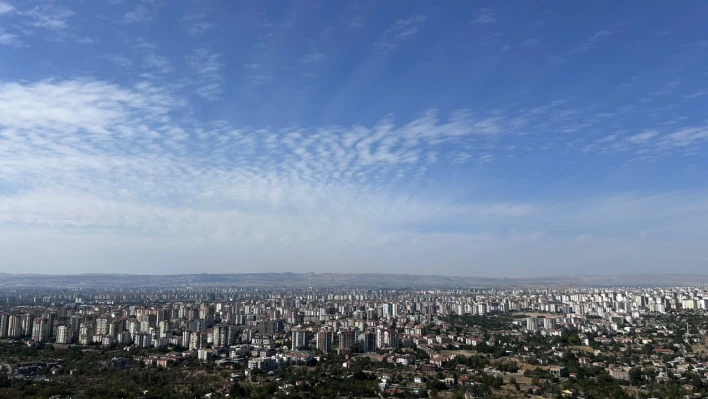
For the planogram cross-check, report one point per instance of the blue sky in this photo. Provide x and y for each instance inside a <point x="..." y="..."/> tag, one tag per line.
<point x="458" y="138"/>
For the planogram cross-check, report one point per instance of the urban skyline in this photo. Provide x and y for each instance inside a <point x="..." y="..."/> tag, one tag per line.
<point x="415" y="343"/>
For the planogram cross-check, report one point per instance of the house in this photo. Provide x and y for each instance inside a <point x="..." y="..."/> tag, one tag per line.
<point x="618" y="373"/>
<point x="556" y="371"/>
<point x="429" y="368"/>
<point x="664" y="351"/>
<point x="439" y="360"/>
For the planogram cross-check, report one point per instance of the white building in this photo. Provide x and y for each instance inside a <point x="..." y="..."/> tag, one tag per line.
<point x="299" y="339"/>
<point x="263" y="363"/>
<point x="63" y="335"/>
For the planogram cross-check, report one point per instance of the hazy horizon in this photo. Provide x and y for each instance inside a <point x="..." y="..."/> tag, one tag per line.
<point x="533" y="139"/>
<point x="359" y="273"/>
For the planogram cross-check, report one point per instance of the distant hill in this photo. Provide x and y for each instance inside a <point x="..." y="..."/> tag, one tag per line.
<point x="344" y="280"/>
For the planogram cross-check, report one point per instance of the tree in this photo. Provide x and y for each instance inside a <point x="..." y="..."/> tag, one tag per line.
<point x="635" y="375"/>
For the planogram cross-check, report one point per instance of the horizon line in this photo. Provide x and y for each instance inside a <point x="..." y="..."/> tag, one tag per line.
<point x="353" y="273"/>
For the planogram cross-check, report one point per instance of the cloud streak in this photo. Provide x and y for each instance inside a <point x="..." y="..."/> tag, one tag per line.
<point x="484" y="16"/>
<point x="6" y="8"/>
<point x="592" y="42"/>
<point x="312" y="57"/>
<point x="207" y="66"/>
<point x="400" y="31"/>
<point x="139" y="14"/>
<point x="49" y="16"/>
<point x="9" y="39"/>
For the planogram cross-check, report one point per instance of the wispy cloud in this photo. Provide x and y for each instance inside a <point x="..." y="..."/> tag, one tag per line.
<point x="196" y="25"/>
<point x="356" y="21"/>
<point x="9" y="39"/>
<point x="199" y="28"/>
<point x="6" y="8"/>
<point x="532" y="42"/>
<point x="652" y="144"/>
<point x="698" y="94"/>
<point x="121" y="61"/>
<point x="685" y="137"/>
<point x="641" y="138"/>
<point x="121" y="162"/>
<point x="157" y="63"/>
<point x="591" y="42"/>
<point x="598" y="143"/>
<point x="312" y="57"/>
<point x="139" y="14"/>
<point x="207" y="66"/>
<point x="484" y="16"/>
<point x="100" y="136"/>
<point x="49" y="16"/>
<point x="400" y="31"/>
<point x="668" y="88"/>
<point x="63" y="36"/>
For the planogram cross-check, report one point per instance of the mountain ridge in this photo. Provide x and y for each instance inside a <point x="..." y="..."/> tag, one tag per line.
<point x="343" y="280"/>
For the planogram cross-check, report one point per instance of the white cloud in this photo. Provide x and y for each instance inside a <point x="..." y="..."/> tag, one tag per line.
<point x="591" y="42"/>
<point x="62" y="36"/>
<point x="121" y="61"/>
<point x="207" y="66"/>
<point x="158" y="63"/>
<point x="667" y="89"/>
<point x="685" y="137"/>
<point x="49" y="16"/>
<point x="356" y="22"/>
<point x="9" y="39"/>
<point x="139" y="14"/>
<point x="195" y="24"/>
<point x="532" y="42"/>
<point x="107" y="147"/>
<point x="652" y="144"/>
<point x="99" y="168"/>
<point x="641" y="138"/>
<point x="698" y="94"/>
<point x="199" y="28"/>
<point x="312" y="57"/>
<point x="484" y="16"/>
<point x="598" y="143"/>
<point x="6" y="8"/>
<point x="400" y="31"/>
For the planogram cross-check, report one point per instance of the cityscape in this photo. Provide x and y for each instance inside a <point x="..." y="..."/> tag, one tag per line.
<point x="82" y="342"/>
<point x="344" y="199"/>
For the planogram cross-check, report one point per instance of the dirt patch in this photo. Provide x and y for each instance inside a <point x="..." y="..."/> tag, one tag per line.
<point x="583" y="348"/>
<point x="467" y="353"/>
<point x="527" y="366"/>
<point x="372" y="356"/>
